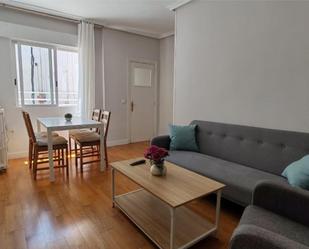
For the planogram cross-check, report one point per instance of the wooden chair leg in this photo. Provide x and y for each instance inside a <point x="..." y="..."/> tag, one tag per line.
<point x="92" y="149"/>
<point x="67" y="160"/>
<point x="30" y="155"/>
<point x="62" y="156"/>
<point x="81" y="157"/>
<point x="59" y="156"/>
<point x="70" y="144"/>
<point x="35" y="162"/>
<point x="76" y="156"/>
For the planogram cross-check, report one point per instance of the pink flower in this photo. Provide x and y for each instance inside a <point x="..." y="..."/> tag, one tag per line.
<point x="156" y="154"/>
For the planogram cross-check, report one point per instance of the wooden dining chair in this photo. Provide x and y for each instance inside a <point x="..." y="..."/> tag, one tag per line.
<point x="85" y="141"/>
<point x="96" y="115"/>
<point x="38" y="135"/>
<point x="40" y="149"/>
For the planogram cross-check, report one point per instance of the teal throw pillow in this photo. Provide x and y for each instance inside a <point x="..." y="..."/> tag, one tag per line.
<point x="183" y="137"/>
<point x="297" y="173"/>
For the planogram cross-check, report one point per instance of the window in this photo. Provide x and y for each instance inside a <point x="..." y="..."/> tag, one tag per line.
<point x="46" y="75"/>
<point x="67" y="71"/>
<point x="142" y="77"/>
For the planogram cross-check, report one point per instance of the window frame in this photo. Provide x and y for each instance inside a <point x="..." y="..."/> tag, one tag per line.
<point x="53" y="70"/>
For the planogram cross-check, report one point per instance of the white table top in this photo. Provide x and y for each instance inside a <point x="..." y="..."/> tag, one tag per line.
<point x="59" y="123"/>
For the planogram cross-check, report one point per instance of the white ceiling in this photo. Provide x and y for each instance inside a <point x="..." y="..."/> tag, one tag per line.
<point x="148" y="17"/>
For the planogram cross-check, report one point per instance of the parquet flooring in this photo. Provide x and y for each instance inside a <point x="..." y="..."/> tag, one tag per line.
<point x="77" y="213"/>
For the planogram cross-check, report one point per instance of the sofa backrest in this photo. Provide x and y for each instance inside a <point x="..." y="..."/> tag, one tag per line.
<point x="265" y="149"/>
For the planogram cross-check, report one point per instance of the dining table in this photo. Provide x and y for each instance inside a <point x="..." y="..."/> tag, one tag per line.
<point x="53" y="124"/>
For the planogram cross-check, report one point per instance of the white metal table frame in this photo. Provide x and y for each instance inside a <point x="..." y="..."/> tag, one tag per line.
<point x="172" y="217"/>
<point x="59" y="124"/>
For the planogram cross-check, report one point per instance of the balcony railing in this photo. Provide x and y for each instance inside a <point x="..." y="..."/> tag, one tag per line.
<point x="44" y="98"/>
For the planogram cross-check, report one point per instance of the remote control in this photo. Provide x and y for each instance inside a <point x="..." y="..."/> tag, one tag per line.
<point x="138" y="162"/>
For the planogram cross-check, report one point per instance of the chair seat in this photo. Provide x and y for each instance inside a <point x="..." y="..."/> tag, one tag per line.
<point x="44" y="134"/>
<point x="72" y="133"/>
<point x="87" y="137"/>
<point x="59" y="140"/>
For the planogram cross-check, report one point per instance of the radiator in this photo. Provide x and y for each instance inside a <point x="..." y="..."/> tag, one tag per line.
<point x="3" y="142"/>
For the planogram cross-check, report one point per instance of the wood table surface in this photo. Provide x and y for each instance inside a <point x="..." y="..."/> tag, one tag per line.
<point x="177" y="188"/>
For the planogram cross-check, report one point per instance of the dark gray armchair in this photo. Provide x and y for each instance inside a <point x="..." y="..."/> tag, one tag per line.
<point x="162" y="141"/>
<point x="277" y="219"/>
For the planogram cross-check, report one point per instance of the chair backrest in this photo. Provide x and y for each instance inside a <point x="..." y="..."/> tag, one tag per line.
<point x="96" y="116"/>
<point x="29" y="126"/>
<point x="105" y="119"/>
<point x="96" y="113"/>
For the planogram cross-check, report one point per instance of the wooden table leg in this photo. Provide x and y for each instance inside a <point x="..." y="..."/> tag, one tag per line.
<point x="50" y="155"/>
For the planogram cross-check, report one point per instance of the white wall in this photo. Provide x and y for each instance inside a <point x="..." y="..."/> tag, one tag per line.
<point x="119" y="47"/>
<point x="243" y="62"/>
<point x="36" y="21"/>
<point x="23" y="26"/>
<point x="18" y="139"/>
<point x="166" y="84"/>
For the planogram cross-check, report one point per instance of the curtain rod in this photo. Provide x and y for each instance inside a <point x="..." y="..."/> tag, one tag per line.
<point x="54" y="16"/>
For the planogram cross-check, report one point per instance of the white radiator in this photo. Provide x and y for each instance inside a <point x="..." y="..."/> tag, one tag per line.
<point x="3" y="142"/>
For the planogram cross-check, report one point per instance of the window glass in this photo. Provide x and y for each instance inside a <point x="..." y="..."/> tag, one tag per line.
<point x="67" y="70"/>
<point x="142" y="77"/>
<point x="36" y="70"/>
<point x="46" y="75"/>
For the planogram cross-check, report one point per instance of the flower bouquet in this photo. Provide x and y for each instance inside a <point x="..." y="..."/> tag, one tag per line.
<point x="156" y="156"/>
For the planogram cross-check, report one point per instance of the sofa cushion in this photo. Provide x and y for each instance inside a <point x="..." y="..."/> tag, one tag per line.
<point x="260" y="217"/>
<point x="240" y="180"/>
<point x="183" y="137"/>
<point x="264" y="149"/>
<point x="254" y="237"/>
<point x="297" y="173"/>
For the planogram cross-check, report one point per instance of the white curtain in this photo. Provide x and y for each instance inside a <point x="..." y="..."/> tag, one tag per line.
<point x="86" y="68"/>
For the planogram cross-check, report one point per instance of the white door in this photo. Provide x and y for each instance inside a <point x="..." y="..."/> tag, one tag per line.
<point x="142" y="86"/>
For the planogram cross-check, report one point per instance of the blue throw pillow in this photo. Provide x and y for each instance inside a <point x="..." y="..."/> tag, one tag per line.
<point x="297" y="173"/>
<point x="183" y="137"/>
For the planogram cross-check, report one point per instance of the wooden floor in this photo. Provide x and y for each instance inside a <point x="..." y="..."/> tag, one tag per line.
<point x="77" y="212"/>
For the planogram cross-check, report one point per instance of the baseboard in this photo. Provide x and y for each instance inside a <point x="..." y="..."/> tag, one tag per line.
<point x="117" y="142"/>
<point x="19" y="154"/>
<point x="23" y="154"/>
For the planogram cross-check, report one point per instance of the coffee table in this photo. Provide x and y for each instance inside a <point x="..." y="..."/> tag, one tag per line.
<point x="158" y="207"/>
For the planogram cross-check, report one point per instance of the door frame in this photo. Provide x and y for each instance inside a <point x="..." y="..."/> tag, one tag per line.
<point x="129" y="96"/>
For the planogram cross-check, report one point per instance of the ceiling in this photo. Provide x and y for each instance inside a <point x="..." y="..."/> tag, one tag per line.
<point x="147" y="17"/>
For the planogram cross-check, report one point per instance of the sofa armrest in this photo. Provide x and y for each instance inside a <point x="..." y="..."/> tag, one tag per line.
<point x="254" y="237"/>
<point x="284" y="200"/>
<point x="161" y="141"/>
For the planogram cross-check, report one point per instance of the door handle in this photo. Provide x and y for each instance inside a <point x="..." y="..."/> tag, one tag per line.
<point x="132" y="106"/>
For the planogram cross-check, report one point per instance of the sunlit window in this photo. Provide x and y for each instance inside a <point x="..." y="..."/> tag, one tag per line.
<point x="67" y="73"/>
<point x="46" y="75"/>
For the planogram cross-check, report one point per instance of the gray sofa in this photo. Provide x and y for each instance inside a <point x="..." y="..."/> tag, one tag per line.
<point x="240" y="156"/>
<point x="277" y="219"/>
